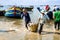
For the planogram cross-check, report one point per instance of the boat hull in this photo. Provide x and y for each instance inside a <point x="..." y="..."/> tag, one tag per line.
<point x="13" y="15"/>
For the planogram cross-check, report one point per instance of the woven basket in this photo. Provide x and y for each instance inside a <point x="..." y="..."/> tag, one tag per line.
<point x="33" y="27"/>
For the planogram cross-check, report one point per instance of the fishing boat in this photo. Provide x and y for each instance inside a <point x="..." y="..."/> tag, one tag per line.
<point x="2" y="11"/>
<point x="13" y="12"/>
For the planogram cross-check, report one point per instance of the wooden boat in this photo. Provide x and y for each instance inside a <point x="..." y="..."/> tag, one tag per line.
<point x="13" y="12"/>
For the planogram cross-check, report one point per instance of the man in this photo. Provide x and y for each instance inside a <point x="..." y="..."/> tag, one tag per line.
<point x="43" y="20"/>
<point x="26" y="17"/>
<point x="57" y="18"/>
<point x="48" y="12"/>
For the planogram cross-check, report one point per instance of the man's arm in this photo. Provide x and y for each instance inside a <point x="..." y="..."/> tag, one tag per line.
<point x="22" y="15"/>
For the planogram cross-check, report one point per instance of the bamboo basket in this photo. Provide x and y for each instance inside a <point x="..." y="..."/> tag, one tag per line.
<point x="33" y="27"/>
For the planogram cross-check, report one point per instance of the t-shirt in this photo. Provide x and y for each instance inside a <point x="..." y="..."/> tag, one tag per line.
<point x="57" y="16"/>
<point x="44" y="19"/>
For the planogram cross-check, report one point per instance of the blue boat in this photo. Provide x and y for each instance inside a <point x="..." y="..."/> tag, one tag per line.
<point x="13" y="12"/>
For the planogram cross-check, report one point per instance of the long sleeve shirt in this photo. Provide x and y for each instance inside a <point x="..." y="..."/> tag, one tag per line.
<point x="26" y="17"/>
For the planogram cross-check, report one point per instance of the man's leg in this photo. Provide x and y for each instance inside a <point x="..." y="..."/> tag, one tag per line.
<point x="55" y="24"/>
<point x="58" y="25"/>
<point x="26" y="25"/>
<point x="41" y="28"/>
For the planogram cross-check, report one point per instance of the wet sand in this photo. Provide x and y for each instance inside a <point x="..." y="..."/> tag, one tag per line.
<point x="21" y="33"/>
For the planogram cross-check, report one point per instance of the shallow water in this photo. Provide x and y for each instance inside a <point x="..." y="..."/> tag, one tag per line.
<point x="21" y="33"/>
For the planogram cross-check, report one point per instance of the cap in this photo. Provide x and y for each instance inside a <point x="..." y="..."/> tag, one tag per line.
<point x="47" y="7"/>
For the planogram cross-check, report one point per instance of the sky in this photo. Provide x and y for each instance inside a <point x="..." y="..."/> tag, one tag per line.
<point x="29" y="2"/>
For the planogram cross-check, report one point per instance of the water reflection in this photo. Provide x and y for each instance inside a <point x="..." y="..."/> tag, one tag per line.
<point x="36" y="36"/>
<point x="56" y="37"/>
<point x="32" y="36"/>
